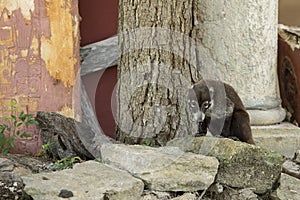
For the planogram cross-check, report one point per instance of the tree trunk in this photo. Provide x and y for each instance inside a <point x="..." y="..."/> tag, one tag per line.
<point x="157" y="65"/>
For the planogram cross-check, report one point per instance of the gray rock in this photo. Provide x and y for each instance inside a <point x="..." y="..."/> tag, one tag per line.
<point x="68" y="137"/>
<point x="149" y="197"/>
<point x="289" y="188"/>
<point x="165" y="168"/>
<point x="88" y="180"/>
<point x="62" y="133"/>
<point x="236" y="194"/>
<point x="11" y="186"/>
<point x="154" y="195"/>
<point x="241" y="165"/>
<point x="6" y="165"/>
<point x="283" y="138"/>
<point x="24" y="164"/>
<point x="185" y="196"/>
<point x="65" y="194"/>
<point x="291" y="168"/>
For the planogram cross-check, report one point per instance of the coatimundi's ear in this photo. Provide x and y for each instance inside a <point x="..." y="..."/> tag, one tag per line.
<point x="211" y="92"/>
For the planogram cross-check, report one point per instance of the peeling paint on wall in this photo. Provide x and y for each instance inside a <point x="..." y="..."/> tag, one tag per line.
<point x="66" y="111"/>
<point x="5" y="69"/>
<point x="39" y="54"/>
<point x="26" y="6"/>
<point x="61" y="42"/>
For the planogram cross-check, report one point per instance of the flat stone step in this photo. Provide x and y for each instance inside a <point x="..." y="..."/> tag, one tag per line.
<point x="283" y="138"/>
<point x="87" y="180"/>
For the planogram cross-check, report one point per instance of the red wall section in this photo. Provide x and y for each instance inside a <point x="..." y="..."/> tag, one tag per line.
<point x="103" y="99"/>
<point x="99" y="20"/>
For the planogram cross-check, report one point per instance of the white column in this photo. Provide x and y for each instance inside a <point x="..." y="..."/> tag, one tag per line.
<point x="242" y="39"/>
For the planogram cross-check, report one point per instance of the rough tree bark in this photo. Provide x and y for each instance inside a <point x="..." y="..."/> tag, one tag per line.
<point x="157" y="64"/>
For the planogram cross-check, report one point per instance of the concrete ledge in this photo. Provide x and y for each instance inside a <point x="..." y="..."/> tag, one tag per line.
<point x="283" y="138"/>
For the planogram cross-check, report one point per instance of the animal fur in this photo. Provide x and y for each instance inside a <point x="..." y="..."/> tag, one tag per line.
<point x="216" y="107"/>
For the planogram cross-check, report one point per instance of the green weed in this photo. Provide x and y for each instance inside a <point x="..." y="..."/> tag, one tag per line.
<point x="14" y="126"/>
<point x="66" y="163"/>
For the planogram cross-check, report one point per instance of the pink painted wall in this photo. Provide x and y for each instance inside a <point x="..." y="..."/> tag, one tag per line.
<point x="38" y="63"/>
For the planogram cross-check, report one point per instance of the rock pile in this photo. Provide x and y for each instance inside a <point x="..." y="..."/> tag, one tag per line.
<point x="188" y="168"/>
<point x="241" y="165"/>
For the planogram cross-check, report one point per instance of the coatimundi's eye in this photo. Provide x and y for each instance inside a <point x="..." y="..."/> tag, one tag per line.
<point x="205" y="105"/>
<point x="193" y="103"/>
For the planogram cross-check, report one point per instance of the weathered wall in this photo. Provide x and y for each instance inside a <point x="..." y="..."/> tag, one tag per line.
<point x="39" y="57"/>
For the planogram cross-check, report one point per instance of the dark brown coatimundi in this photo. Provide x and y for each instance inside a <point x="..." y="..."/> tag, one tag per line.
<point x="217" y="107"/>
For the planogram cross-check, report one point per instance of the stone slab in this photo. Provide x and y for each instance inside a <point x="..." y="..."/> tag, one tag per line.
<point x="164" y="168"/>
<point x="289" y="188"/>
<point x="89" y="180"/>
<point x="241" y="165"/>
<point x="283" y="138"/>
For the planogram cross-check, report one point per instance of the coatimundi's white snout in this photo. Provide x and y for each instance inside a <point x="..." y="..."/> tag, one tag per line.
<point x="198" y="112"/>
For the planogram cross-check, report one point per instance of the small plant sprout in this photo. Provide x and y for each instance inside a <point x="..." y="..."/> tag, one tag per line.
<point x="14" y="126"/>
<point x="148" y="142"/>
<point x="66" y="163"/>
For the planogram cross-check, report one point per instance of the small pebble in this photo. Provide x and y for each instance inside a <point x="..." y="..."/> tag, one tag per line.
<point x="65" y="194"/>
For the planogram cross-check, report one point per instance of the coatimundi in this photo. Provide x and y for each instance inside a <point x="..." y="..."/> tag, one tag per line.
<point x="217" y="107"/>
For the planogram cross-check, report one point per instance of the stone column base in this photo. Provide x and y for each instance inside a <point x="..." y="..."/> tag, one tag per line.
<point x="267" y="117"/>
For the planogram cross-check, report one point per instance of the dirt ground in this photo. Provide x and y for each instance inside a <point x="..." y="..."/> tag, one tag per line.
<point x="289" y="12"/>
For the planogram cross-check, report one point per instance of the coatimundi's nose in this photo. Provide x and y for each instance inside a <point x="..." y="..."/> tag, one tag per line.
<point x="198" y="116"/>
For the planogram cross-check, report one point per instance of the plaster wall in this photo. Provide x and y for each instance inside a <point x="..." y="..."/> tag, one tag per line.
<point x="39" y="58"/>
